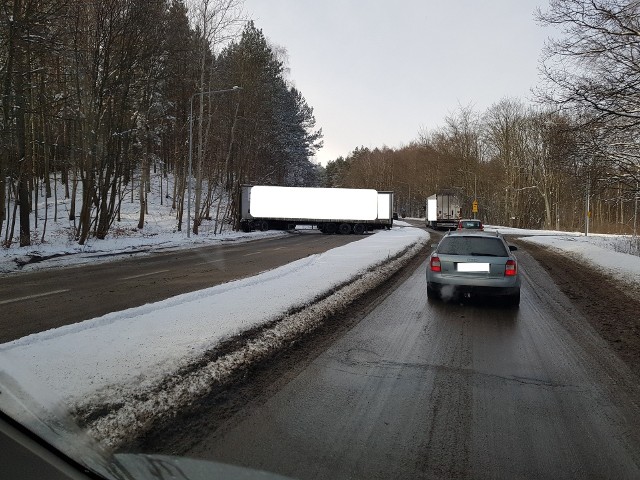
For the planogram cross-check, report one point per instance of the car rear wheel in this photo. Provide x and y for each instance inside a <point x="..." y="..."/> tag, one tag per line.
<point x="432" y="294"/>
<point x="514" y="300"/>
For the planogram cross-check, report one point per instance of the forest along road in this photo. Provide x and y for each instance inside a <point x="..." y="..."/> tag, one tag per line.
<point x="36" y="301"/>
<point x="421" y="389"/>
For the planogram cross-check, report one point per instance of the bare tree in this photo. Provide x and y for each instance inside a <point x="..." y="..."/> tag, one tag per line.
<point x="217" y="22"/>
<point x="592" y="71"/>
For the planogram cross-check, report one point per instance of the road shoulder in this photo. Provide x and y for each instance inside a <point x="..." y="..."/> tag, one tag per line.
<point x="609" y="307"/>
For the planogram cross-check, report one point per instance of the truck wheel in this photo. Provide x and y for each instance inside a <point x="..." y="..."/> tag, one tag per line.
<point x="358" y="229"/>
<point x="264" y="225"/>
<point x="330" y="228"/>
<point x="344" y="229"/>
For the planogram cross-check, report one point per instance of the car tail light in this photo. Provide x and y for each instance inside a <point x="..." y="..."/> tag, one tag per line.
<point x="435" y="264"/>
<point x="510" y="268"/>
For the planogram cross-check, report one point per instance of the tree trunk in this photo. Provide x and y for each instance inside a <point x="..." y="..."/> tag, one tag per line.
<point x="143" y="190"/>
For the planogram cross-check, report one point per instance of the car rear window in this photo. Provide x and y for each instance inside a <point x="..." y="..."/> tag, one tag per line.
<point x="488" y="246"/>
<point x="470" y="224"/>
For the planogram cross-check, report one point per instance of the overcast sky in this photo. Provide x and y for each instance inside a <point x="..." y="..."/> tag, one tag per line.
<point x="376" y="72"/>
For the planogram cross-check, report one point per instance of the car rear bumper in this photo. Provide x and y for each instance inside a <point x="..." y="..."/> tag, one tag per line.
<point x="450" y="224"/>
<point x="449" y="289"/>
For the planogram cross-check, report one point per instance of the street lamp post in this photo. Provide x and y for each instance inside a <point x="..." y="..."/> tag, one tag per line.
<point x="587" y="210"/>
<point x="475" y="195"/>
<point x="200" y="94"/>
<point x="7" y="186"/>
<point x="635" y="213"/>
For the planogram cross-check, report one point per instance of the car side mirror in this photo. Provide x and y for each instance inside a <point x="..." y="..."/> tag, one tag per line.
<point x="512" y="248"/>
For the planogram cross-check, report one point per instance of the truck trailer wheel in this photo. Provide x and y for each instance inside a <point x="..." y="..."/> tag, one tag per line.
<point x="330" y="228"/>
<point x="344" y="229"/>
<point x="358" y="229"/>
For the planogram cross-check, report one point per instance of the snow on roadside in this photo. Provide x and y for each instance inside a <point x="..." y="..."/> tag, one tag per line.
<point x="525" y="231"/>
<point x="65" y="253"/>
<point x="54" y="246"/>
<point x="616" y="255"/>
<point x="125" y="354"/>
<point x="69" y="253"/>
<point x="596" y="251"/>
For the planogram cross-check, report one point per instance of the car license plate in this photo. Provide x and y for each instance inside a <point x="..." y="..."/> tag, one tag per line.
<point x="473" y="267"/>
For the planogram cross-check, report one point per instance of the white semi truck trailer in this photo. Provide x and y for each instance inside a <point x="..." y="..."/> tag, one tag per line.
<point x="331" y="210"/>
<point x="444" y="210"/>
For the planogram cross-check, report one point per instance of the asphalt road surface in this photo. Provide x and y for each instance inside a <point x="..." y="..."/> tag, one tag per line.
<point x="420" y="389"/>
<point x="37" y="301"/>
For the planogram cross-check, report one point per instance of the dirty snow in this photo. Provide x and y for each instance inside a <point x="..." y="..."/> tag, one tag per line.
<point x="598" y="251"/>
<point x="616" y="255"/>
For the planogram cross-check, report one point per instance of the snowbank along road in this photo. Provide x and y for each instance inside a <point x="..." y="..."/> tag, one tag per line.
<point x="51" y="298"/>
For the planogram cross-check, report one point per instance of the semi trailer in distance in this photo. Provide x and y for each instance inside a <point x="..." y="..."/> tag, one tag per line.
<point x="444" y="210"/>
<point x="331" y="210"/>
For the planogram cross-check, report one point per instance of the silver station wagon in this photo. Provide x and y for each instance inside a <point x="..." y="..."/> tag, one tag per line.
<point x="469" y="263"/>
